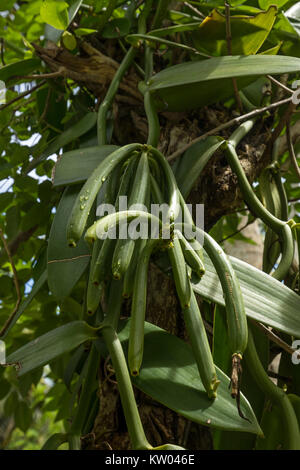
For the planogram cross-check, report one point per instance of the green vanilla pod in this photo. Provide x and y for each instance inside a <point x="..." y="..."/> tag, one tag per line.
<point x="129" y="276"/>
<point x="200" y="346"/>
<point x="124" y="247"/>
<point x="138" y="309"/>
<point x="90" y="189"/>
<point x="272" y="202"/>
<point x="180" y="274"/>
<point x="102" y="267"/>
<point x="173" y="194"/>
<point x="192" y="258"/>
<point x="235" y="309"/>
<point x="101" y="226"/>
<point x="94" y="292"/>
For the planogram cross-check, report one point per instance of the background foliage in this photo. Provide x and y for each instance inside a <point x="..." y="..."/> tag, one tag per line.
<point x="44" y="117"/>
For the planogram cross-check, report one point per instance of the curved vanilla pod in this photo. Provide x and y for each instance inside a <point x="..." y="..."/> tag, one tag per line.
<point x="138" y="309"/>
<point x="280" y="227"/>
<point x="94" y="292"/>
<point x="282" y="195"/>
<point x="155" y="170"/>
<point x="187" y="219"/>
<point x="101" y="226"/>
<point x="90" y="189"/>
<point x="271" y="200"/>
<point x="200" y="346"/>
<point x="124" y="247"/>
<point x="275" y="393"/>
<point x="235" y="309"/>
<point x="192" y="258"/>
<point x="156" y="193"/>
<point x="174" y="205"/>
<point x="129" y="276"/>
<point x="101" y="269"/>
<point x="180" y="273"/>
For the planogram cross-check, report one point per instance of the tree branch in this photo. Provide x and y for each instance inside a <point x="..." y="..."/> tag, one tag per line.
<point x="22" y="95"/>
<point x="229" y="49"/>
<point x="275" y="339"/>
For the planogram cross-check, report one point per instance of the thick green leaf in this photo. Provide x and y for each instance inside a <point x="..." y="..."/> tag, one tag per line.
<point x="77" y="165"/>
<point x="248" y="33"/>
<point x="53" y="34"/>
<point x="23" y="67"/>
<point x="293" y="16"/>
<point x="74" y="132"/>
<point x="37" y="286"/>
<point x="65" y="264"/>
<point x="5" y="387"/>
<point x="225" y="440"/>
<point x="55" y="441"/>
<point x="47" y="347"/>
<point x="22" y="415"/>
<point x="162" y="32"/>
<point x="116" y="28"/>
<point x="194" y="84"/>
<point x="271" y="424"/>
<point x="266" y="299"/>
<point x="264" y="4"/>
<point x="169" y="374"/>
<point x="193" y="162"/>
<point x="55" y="13"/>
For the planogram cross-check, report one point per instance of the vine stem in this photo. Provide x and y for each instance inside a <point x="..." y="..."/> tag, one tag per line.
<point x="132" y="417"/>
<point x="278" y="226"/>
<point x="115" y="83"/>
<point x="233" y="122"/>
<point x="275" y="393"/>
<point x="112" y="90"/>
<point x="151" y="113"/>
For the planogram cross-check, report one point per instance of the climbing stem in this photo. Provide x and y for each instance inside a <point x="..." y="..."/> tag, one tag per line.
<point x="276" y="394"/>
<point x="112" y="90"/>
<point x="278" y="226"/>
<point x="132" y="417"/>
